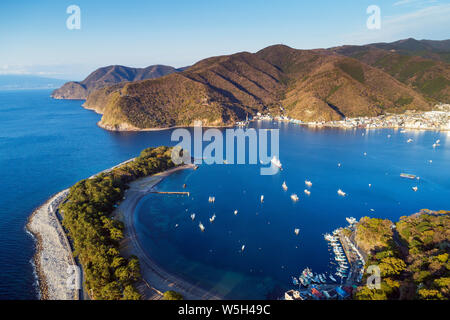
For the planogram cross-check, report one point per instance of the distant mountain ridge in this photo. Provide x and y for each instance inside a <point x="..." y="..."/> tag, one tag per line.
<point x="107" y="76"/>
<point x="310" y="85"/>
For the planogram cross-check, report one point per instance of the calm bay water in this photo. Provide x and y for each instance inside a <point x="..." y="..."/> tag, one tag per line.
<point x="273" y="253"/>
<point x="47" y="145"/>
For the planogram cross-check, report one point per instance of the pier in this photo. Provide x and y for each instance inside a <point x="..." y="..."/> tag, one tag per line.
<point x="183" y="193"/>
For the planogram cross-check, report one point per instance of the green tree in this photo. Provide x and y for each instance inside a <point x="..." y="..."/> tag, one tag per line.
<point x="172" y="295"/>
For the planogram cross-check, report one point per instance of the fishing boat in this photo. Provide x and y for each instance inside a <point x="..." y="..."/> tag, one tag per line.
<point x="284" y="186"/>
<point x="307" y="192"/>
<point x="201" y="226"/>
<point x="351" y="220"/>
<point x="307" y="273"/>
<point x="294" y="197"/>
<point x="297" y="231"/>
<point x="408" y="176"/>
<point x="212" y="218"/>
<point x="304" y="281"/>
<point x="276" y="162"/>
<point x="193" y="216"/>
<point x="308" y="183"/>
<point x="341" y="193"/>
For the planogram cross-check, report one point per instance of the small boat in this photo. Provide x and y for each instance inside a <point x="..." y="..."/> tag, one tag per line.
<point x="262" y="199"/>
<point x="284" y="186"/>
<point x="201" y="226"/>
<point x="193" y="216"/>
<point x="307" y="192"/>
<point x="438" y="142"/>
<point x="341" y="193"/>
<point x="408" y="176"/>
<point x="409" y="141"/>
<point x="235" y="212"/>
<point x="212" y="218"/>
<point x="308" y="183"/>
<point x="365" y="154"/>
<point x="389" y="136"/>
<point x="276" y="162"/>
<point x="243" y="248"/>
<point x="351" y="220"/>
<point x="176" y="226"/>
<point x="415" y="189"/>
<point x="339" y="165"/>
<point x="332" y="278"/>
<point x="294" y="197"/>
<point x="303" y="281"/>
<point x="297" y="231"/>
<point x="212" y="199"/>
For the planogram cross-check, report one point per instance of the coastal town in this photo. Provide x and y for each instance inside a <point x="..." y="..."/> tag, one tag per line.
<point x="437" y="119"/>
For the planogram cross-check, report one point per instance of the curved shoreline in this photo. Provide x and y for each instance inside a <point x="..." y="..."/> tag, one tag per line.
<point x="155" y="279"/>
<point x="53" y="253"/>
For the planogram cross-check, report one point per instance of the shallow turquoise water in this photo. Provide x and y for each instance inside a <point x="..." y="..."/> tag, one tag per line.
<point x="273" y="253"/>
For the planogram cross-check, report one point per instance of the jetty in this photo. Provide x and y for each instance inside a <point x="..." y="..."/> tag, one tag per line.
<point x="183" y="193"/>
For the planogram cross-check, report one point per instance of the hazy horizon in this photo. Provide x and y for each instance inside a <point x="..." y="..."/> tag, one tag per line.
<point x="178" y="33"/>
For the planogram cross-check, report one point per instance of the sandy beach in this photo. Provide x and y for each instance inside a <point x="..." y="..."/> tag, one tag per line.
<point x="53" y="253"/>
<point x="155" y="279"/>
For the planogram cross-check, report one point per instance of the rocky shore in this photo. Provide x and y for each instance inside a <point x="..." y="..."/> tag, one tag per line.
<point x="53" y="256"/>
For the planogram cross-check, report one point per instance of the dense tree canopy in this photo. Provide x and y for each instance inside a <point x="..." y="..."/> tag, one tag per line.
<point x="412" y="257"/>
<point x="96" y="235"/>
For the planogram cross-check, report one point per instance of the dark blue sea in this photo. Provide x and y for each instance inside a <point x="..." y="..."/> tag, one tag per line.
<point x="47" y="145"/>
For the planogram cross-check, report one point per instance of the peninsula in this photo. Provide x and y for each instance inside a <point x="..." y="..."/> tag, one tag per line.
<point x="97" y="229"/>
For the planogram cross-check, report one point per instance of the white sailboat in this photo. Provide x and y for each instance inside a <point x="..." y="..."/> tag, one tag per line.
<point x="297" y="231"/>
<point x="276" y="162"/>
<point x="294" y="197"/>
<point x="415" y="189"/>
<point x="243" y="248"/>
<point x="341" y="193"/>
<point x="308" y="183"/>
<point x="235" y="212"/>
<point x="193" y="216"/>
<point x="307" y="192"/>
<point x="201" y="226"/>
<point x="284" y="186"/>
<point x="262" y="198"/>
<point x="212" y="218"/>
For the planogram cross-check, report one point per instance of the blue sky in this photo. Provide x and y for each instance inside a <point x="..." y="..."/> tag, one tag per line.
<point x="34" y="38"/>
